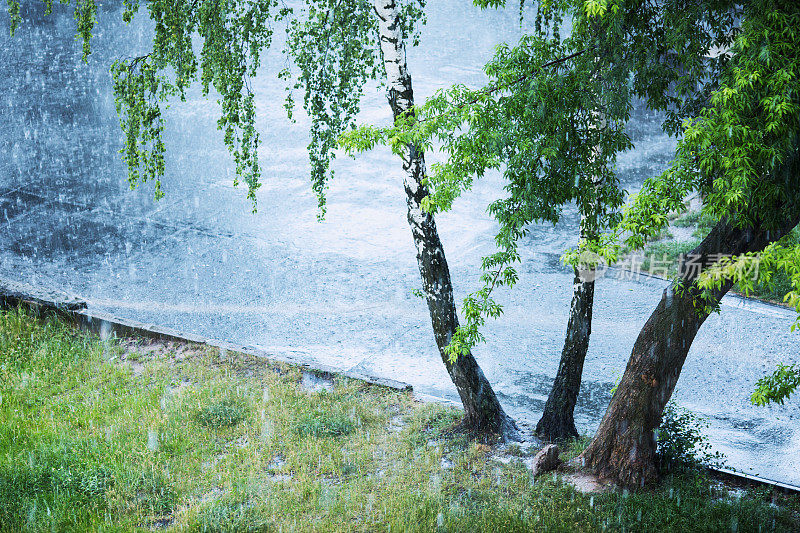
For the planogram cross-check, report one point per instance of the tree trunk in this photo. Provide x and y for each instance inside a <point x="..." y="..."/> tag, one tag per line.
<point x="558" y="422"/>
<point x="623" y="449"/>
<point x="483" y="414"/>
<point x="558" y="418"/>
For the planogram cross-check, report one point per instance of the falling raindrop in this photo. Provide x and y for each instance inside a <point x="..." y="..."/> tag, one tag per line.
<point x="267" y="430"/>
<point x="435" y="483"/>
<point x="152" y="440"/>
<point x="440" y="520"/>
<point x="105" y="330"/>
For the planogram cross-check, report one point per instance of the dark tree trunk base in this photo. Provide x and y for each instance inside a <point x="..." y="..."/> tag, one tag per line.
<point x="558" y="422"/>
<point x="556" y="427"/>
<point x="504" y="429"/>
<point x="624" y="447"/>
<point x="484" y="417"/>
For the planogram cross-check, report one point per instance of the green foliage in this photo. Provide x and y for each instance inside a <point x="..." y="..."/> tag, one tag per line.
<point x="85" y="19"/>
<point x="778" y="386"/>
<point x="551" y="119"/>
<point x="223" y="413"/>
<point x="333" y="46"/>
<point x="681" y="444"/>
<point x="779" y="262"/>
<point x="336" y="48"/>
<point x="773" y="284"/>
<point x="740" y="151"/>
<point x="322" y="423"/>
<point x="233" y="36"/>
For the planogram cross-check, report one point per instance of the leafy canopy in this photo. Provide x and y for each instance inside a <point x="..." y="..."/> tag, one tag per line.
<point x="552" y="120"/>
<point x="740" y="151"/>
<point x="332" y="45"/>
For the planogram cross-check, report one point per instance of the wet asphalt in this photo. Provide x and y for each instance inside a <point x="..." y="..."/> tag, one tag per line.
<point x="336" y="292"/>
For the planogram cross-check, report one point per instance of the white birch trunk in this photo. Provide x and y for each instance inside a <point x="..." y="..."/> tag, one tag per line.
<point x="483" y="413"/>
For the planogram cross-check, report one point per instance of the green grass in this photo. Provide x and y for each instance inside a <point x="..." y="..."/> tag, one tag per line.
<point x="774" y="291"/>
<point x="205" y="443"/>
<point x="223" y="413"/>
<point x="661" y="253"/>
<point x="663" y="257"/>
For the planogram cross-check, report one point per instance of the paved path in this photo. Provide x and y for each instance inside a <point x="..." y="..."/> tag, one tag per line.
<point x="338" y="292"/>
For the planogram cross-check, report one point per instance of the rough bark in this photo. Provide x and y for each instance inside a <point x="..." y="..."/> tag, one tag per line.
<point x="624" y="446"/>
<point x="558" y="422"/>
<point x="483" y="414"/>
<point x="558" y="418"/>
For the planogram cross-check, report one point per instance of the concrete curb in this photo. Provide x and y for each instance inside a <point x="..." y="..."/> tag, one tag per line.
<point x="72" y="309"/>
<point x="13" y="294"/>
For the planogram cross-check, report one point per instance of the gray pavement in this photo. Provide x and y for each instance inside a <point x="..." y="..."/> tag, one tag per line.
<point x="336" y="292"/>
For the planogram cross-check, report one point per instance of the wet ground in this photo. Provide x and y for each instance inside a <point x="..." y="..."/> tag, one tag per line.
<point x="336" y="292"/>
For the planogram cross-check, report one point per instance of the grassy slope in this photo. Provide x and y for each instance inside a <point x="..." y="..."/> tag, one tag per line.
<point x="186" y="438"/>
<point x="667" y="252"/>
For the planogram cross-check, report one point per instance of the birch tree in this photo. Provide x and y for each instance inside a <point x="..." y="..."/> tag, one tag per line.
<point x="335" y="47"/>
<point x="482" y="411"/>
<point x="740" y="153"/>
<point x="551" y="119"/>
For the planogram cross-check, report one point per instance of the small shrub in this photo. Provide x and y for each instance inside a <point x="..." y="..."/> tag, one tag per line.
<point x="681" y="444"/>
<point x="224" y="413"/>
<point x="230" y="517"/>
<point x="687" y="220"/>
<point x="666" y="254"/>
<point x="324" y="424"/>
<point x="155" y="494"/>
